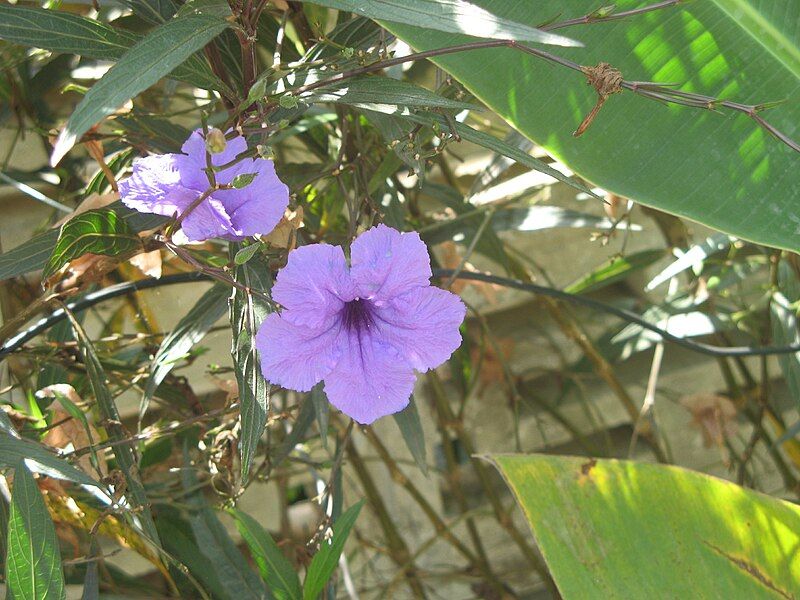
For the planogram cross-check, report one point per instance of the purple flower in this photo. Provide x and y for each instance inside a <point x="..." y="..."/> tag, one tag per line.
<point x="363" y="329"/>
<point x="166" y="184"/>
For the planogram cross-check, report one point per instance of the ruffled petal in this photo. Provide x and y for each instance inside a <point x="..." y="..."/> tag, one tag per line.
<point x="386" y="263"/>
<point x="314" y="285"/>
<point x="208" y="220"/>
<point x="294" y="356"/>
<point x="258" y="207"/>
<point x="371" y="379"/>
<point x="155" y="186"/>
<point x="422" y="324"/>
<point x="193" y="163"/>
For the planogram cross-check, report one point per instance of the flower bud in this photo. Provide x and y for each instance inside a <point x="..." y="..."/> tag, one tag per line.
<point x="215" y="141"/>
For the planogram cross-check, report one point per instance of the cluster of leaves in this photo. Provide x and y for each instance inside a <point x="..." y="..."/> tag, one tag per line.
<point x="363" y="134"/>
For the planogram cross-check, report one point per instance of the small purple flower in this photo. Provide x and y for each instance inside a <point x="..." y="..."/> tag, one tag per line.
<point x="166" y="184"/>
<point x="363" y="329"/>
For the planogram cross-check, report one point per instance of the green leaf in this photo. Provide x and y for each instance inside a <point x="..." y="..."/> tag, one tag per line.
<point x="452" y="16"/>
<point x="192" y="328"/>
<point x="247" y="311"/>
<point x="621" y="529"/>
<point x="411" y="429"/>
<point x="274" y="567"/>
<point x="39" y="460"/>
<point x="499" y="146"/>
<point x="34" y="254"/>
<point x="722" y="170"/>
<point x="246" y="253"/>
<point x="327" y="557"/>
<point x="213" y="541"/>
<point x="123" y="452"/>
<point x="615" y="269"/>
<point x="322" y="411"/>
<point x="152" y="11"/>
<point x="783" y="319"/>
<point x="33" y="567"/>
<point x="383" y="94"/>
<point x="95" y="231"/>
<point x="694" y="256"/>
<point x="68" y="33"/>
<point x="91" y="582"/>
<point x="154" y="57"/>
<point x="532" y="218"/>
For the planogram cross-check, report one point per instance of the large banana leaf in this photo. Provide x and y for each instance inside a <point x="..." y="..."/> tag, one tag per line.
<point x="719" y="169"/>
<point x="620" y="529"/>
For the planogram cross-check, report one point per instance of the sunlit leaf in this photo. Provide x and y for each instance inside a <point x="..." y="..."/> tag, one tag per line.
<point x="154" y="57"/>
<point x="373" y="93"/>
<point x="60" y="31"/>
<point x="718" y="168"/>
<point x="616" y="269"/>
<point x="621" y="529"/>
<point x="453" y="16"/>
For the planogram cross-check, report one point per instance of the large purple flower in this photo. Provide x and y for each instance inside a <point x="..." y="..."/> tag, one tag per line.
<point x="363" y="329"/>
<point x="167" y="184"/>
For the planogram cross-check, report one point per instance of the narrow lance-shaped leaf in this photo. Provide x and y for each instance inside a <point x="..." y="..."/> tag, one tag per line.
<point x="189" y="331"/>
<point x="39" y="460"/>
<point x="33" y="565"/>
<point x="373" y="93"/>
<point x="96" y="232"/>
<point x="154" y="57"/>
<point x="322" y="411"/>
<point x="411" y="429"/>
<point x="247" y="311"/>
<point x="230" y="567"/>
<point x="452" y="16"/>
<point x="327" y="557"/>
<point x="123" y="452"/>
<point x="65" y="32"/>
<point x="274" y="567"/>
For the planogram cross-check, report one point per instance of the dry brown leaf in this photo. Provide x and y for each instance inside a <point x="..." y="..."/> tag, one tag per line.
<point x="148" y="263"/>
<point x="713" y="415"/>
<point x="86" y="269"/>
<point x="492" y="367"/>
<point x="229" y="386"/>
<point x="283" y="236"/>
<point x="451" y="259"/>
<point x="69" y="433"/>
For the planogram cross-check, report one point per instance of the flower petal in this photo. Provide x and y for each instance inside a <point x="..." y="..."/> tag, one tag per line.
<point x="294" y="356"/>
<point x="371" y="379"/>
<point x="192" y="165"/>
<point x="314" y="285"/>
<point x="386" y="263"/>
<point x="258" y="207"/>
<point x="208" y="220"/>
<point x="155" y="186"/>
<point x="423" y="325"/>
